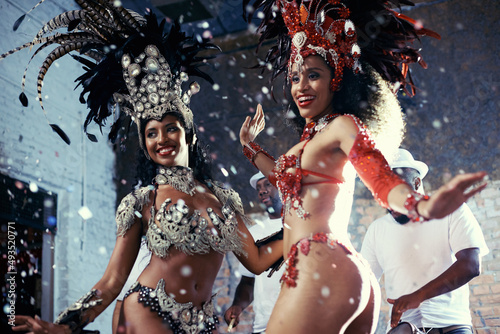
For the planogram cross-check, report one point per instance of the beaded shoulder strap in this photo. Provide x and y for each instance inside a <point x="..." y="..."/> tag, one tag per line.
<point x="227" y="197"/>
<point x="130" y="209"/>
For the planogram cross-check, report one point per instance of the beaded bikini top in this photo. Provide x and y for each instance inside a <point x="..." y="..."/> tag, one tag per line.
<point x="290" y="183"/>
<point x="175" y="225"/>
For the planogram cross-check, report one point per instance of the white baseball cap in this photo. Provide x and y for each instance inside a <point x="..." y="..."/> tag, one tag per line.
<point x="404" y="159"/>
<point x="254" y="179"/>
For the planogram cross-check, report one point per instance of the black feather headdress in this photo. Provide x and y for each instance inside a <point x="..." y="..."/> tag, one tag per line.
<point x="103" y="34"/>
<point x="384" y="36"/>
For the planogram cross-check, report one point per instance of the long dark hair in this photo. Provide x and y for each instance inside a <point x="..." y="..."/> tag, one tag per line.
<point x="199" y="159"/>
<point x="368" y="97"/>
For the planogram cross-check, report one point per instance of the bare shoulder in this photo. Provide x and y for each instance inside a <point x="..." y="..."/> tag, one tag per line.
<point x="341" y="126"/>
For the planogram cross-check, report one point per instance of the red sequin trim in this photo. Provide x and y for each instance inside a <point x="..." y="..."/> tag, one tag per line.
<point x="251" y="150"/>
<point x="304" y="245"/>
<point x="314" y="127"/>
<point x="411" y="205"/>
<point x="371" y="165"/>
<point x="290" y="184"/>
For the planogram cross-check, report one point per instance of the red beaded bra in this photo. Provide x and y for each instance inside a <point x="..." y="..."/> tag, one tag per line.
<point x="290" y="184"/>
<point x="368" y="162"/>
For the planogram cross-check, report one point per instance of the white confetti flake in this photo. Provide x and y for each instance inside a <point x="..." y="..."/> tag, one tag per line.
<point x="325" y="291"/>
<point x="85" y="213"/>
<point x="33" y="187"/>
<point x="437" y="124"/>
<point x="186" y="271"/>
<point x="207" y="34"/>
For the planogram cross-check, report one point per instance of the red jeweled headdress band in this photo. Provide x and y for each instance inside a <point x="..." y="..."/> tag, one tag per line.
<point x="321" y="28"/>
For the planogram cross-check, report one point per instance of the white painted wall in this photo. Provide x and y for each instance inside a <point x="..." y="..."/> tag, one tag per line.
<point x="81" y="174"/>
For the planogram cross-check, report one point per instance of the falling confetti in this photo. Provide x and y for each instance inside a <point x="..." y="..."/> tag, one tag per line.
<point x="186" y="271"/>
<point x="33" y="187"/>
<point x="85" y="213"/>
<point x="436" y="124"/>
<point x="270" y="131"/>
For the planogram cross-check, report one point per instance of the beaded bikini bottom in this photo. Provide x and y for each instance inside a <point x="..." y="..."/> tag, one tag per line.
<point x="291" y="272"/>
<point x="182" y="318"/>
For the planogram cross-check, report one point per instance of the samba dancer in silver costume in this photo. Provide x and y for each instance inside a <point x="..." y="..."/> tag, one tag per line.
<point x="190" y="222"/>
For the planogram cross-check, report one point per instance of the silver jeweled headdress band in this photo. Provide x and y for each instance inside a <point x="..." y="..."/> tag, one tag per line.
<point x="153" y="89"/>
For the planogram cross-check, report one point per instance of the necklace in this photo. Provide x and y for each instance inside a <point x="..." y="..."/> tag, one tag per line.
<point x="314" y="127"/>
<point x="178" y="177"/>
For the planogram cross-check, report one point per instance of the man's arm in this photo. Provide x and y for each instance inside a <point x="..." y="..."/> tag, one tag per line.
<point x="467" y="266"/>
<point x="243" y="297"/>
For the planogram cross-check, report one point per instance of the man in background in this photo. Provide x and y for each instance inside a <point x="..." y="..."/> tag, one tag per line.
<point x="262" y="290"/>
<point x="426" y="265"/>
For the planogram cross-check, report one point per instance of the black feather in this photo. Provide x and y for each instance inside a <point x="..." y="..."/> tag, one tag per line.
<point x="92" y="137"/>
<point x="73" y="24"/>
<point x="23" y="99"/>
<point x="61" y="133"/>
<point x="18" y="22"/>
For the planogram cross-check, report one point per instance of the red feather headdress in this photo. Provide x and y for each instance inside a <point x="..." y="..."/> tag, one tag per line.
<point x="344" y="32"/>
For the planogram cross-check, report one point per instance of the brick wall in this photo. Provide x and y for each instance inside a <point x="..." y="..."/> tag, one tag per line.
<point x="81" y="174"/>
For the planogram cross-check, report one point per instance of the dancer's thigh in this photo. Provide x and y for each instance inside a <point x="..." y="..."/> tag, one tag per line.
<point x="366" y="321"/>
<point x="135" y="318"/>
<point x="332" y="289"/>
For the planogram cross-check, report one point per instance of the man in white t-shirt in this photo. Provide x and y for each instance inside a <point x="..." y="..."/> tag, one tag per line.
<point x="426" y="265"/>
<point x="262" y="290"/>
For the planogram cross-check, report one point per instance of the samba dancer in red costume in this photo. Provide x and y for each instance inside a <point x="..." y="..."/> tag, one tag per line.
<point x="342" y="83"/>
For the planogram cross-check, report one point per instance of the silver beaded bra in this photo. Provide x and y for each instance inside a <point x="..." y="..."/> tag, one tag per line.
<point x="174" y="226"/>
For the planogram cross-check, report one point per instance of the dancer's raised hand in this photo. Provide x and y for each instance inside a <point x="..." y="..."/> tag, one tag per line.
<point x="452" y="195"/>
<point x="252" y="127"/>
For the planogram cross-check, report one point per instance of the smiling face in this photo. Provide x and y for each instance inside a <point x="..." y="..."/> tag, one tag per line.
<point x="311" y="88"/>
<point x="166" y="142"/>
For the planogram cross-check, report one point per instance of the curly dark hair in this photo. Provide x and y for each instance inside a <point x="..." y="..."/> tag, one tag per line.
<point x="370" y="98"/>
<point x="199" y="159"/>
